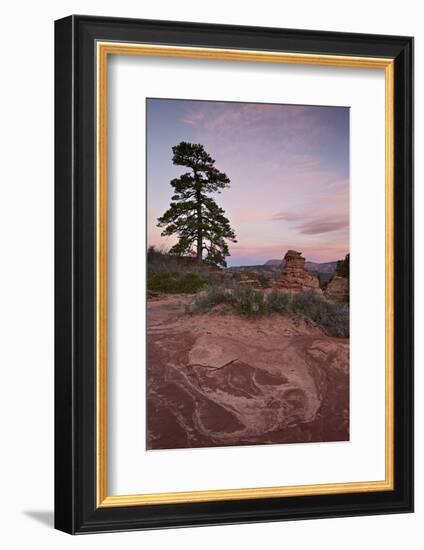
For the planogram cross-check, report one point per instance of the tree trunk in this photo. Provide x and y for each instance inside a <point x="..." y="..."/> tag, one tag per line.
<point x="199" y="227"/>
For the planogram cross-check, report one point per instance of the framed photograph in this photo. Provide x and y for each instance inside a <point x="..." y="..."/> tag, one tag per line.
<point x="234" y="274"/>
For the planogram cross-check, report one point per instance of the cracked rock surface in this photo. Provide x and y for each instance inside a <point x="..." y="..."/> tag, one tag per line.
<point x="223" y="379"/>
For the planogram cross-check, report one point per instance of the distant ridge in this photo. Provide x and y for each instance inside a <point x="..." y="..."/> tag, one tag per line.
<point x="323" y="270"/>
<point x="275" y="263"/>
<point x="325" y="267"/>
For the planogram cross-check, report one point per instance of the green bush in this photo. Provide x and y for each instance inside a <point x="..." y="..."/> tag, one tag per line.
<point x="175" y="283"/>
<point x="247" y="300"/>
<point x="332" y="317"/>
<point x="243" y="298"/>
<point x="278" y="302"/>
<point x="263" y="280"/>
<point x="209" y="298"/>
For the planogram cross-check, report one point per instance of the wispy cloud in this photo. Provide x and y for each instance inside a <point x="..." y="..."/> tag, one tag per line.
<point x="218" y="120"/>
<point x="316" y="225"/>
<point x="326" y="210"/>
<point x="228" y="115"/>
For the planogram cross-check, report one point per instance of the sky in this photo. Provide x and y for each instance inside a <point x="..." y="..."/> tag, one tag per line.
<point x="288" y="166"/>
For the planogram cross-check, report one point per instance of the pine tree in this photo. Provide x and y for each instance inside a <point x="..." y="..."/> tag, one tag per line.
<point x="193" y="215"/>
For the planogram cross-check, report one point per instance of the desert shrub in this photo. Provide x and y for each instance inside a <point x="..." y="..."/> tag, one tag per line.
<point x="160" y="261"/>
<point x="247" y="300"/>
<point x="263" y="280"/>
<point x="278" y="302"/>
<point x="209" y="298"/>
<point x="332" y="317"/>
<point x="236" y="275"/>
<point x="153" y="253"/>
<point x="175" y="283"/>
<point x="242" y="298"/>
<point x="190" y="283"/>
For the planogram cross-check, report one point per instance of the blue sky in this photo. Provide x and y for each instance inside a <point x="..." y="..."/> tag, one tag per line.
<point x="288" y="166"/>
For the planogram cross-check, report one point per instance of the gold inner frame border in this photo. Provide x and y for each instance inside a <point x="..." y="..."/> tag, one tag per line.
<point x="103" y="50"/>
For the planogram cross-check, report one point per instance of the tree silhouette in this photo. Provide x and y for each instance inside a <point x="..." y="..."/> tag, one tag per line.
<point x="193" y="215"/>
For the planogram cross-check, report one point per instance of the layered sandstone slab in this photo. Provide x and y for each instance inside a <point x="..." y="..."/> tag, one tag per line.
<point x="294" y="277"/>
<point x="218" y="380"/>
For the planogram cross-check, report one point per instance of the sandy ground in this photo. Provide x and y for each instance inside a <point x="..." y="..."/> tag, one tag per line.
<point x="219" y="379"/>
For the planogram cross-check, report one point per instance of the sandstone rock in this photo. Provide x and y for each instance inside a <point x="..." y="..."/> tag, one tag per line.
<point x="212" y="352"/>
<point x="294" y="277"/>
<point x="337" y="289"/>
<point x="218" y="380"/>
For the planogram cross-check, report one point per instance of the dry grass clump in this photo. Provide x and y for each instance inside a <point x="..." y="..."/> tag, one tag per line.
<point x="332" y="317"/>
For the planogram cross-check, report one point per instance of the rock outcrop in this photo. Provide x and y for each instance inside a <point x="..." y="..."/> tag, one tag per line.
<point x="337" y="289"/>
<point x="218" y="380"/>
<point x="294" y="277"/>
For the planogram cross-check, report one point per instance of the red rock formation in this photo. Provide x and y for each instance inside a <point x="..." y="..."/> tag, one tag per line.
<point x="294" y="277"/>
<point x="337" y="289"/>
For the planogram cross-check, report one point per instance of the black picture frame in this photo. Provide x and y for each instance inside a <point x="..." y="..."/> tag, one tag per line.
<point x="76" y="510"/>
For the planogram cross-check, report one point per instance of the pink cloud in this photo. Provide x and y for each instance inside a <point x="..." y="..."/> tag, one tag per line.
<point x="236" y="118"/>
<point x="317" y="227"/>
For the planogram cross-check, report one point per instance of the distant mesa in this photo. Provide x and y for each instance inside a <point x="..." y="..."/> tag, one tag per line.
<point x="294" y="277"/>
